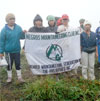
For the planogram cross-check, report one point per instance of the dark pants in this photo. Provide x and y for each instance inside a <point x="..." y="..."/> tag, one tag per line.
<point x="11" y="58"/>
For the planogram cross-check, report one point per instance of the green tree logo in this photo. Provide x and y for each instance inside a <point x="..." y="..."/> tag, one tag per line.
<point x="54" y="52"/>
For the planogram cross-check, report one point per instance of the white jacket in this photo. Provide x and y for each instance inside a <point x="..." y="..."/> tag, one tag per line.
<point x="62" y="28"/>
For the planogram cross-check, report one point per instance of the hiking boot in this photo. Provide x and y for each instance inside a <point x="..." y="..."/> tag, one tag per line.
<point x="9" y="80"/>
<point x="21" y="80"/>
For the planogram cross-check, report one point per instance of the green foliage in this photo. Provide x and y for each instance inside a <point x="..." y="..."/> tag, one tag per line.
<point x="63" y="90"/>
<point x="47" y="88"/>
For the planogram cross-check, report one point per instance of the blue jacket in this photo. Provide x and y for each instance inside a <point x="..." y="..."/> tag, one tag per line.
<point x="98" y="30"/>
<point x="98" y="42"/>
<point x="88" y="42"/>
<point x="98" y="36"/>
<point x="10" y="39"/>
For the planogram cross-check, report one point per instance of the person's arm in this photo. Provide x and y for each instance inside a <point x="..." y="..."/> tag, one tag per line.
<point x="22" y="36"/>
<point x="96" y="51"/>
<point x="81" y="41"/>
<point x="2" y="42"/>
<point x="96" y="44"/>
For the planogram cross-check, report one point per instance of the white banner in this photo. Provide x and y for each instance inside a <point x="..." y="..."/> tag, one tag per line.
<point x="50" y="53"/>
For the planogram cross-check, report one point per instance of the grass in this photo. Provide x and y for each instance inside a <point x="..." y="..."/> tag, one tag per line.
<point x="47" y="88"/>
<point x="62" y="90"/>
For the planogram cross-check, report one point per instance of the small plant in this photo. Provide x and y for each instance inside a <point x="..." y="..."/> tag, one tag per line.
<point x="49" y="89"/>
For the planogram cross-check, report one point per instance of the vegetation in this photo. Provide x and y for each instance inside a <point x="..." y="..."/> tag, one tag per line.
<point x="48" y="88"/>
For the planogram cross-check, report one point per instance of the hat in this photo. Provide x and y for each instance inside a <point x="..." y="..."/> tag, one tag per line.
<point x="9" y="16"/>
<point x="87" y="23"/>
<point x="65" y="16"/>
<point x="37" y="18"/>
<point x="50" y="18"/>
<point x="82" y="20"/>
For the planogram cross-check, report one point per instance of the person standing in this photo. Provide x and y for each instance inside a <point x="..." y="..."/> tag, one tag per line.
<point x="10" y="45"/>
<point x="52" y="24"/>
<point x="81" y="27"/>
<point x="38" y="25"/>
<point x="98" y="45"/>
<point x="64" y="26"/>
<point x="88" y="48"/>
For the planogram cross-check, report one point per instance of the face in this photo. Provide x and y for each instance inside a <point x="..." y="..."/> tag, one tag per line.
<point x="65" y="21"/>
<point x="51" y="23"/>
<point x="81" y="23"/>
<point x="11" y="22"/>
<point x="38" y="23"/>
<point x="87" y="27"/>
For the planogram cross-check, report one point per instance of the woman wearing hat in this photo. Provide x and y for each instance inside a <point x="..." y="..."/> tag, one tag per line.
<point x="38" y="25"/>
<point x="10" y="45"/>
<point x="88" y="48"/>
<point x="64" y="26"/>
<point x="81" y="27"/>
<point x="52" y="24"/>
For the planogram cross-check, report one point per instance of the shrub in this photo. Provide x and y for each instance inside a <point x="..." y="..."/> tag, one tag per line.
<point x="49" y="89"/>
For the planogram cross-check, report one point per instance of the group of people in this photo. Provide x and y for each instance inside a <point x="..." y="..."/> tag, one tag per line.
<point x="11" y="34"/>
